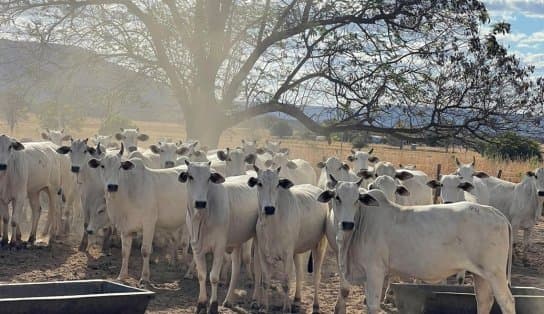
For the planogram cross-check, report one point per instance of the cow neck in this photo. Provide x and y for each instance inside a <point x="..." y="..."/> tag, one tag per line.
<point x="350" y="262"/>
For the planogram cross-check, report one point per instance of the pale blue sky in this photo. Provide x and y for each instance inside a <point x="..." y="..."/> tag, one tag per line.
<point x="526" y="38"/>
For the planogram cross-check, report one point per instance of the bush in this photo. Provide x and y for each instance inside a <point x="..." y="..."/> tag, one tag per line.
<point x="113" y="123"/>
<point x="359" y="141"/>
<point x="55" y="115"/>
<point x="514" y="147"/>
<point x="281" y="129"/>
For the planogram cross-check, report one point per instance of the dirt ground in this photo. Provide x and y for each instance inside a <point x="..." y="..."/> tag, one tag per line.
<point x="174" y="294"/>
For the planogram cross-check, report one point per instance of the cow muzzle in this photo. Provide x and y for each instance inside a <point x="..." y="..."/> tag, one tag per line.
<point x="269" y="210"/>
<point x="75" y="169"/>
<point x="3" y="167"/>
<point x="540" y="193"/>
<point x="169" y="164"/>
<point x="347" y="225"/>
<point x="132" y="149"/>
<point x="200" y="204"/>
<point x="113" y="187"/>
<point x="89" y="232"/>
<point x="448" y="202"/>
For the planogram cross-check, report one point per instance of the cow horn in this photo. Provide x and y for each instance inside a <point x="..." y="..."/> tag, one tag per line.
<point x="98" y="149"/>
<point x="473" y="161"/>
<point x="122" y="149"/>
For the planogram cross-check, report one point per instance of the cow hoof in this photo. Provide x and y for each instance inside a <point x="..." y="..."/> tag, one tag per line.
<point x="315" y="309"/>
<point x="201" y="308"/>
<point x="143" y="284"/>
<point x="4" y="242"/>
<point x="32" y="239"/>
<point x="214" y="308"/>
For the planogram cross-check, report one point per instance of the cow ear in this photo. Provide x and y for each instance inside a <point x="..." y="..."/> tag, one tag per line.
<point x="480" y="174"/>
<point x="183" y="176"/>
<point x="320" y="165"/>
<point x="66" y="137"/>
<point x="345" y="166"/>
<point x="252" y="181"/>
<point x="371" y="151"/>
<point x="366" y="174"/>
<point x="530" y="174"/>
<point x="63" y="150"/>
<point x="127" y="165"/>
<point x="401" y="190"/>
<point x="250" y="159"/>
<point x="143" y="137"/>
<point x="285" y="183"/>
<point x="403" y="175"/>
<point x="91" y="150"/>
<point x="433" y="184"/>
<point x="351" y="158"/>
<point x="353" y="151"/>
<point x="182" y="150"/>
<point x="45" y="136"/>
<point x="291" y="165"/>
<point x="325" y="196"/>
<point x="119" y="136"/>
<point x="17" y="146"/>
<point x="155" y="149"/>
<point x="222" y="155"/>
<point x="466" y="186"/>
<point x="457" y="162"/>
<point x="216" y="178"/>
<point x="93" y="163"/>
<point x="368" y="200"/>
<point x="373" y="159"/>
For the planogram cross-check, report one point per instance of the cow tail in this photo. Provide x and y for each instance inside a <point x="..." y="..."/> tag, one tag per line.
<point x="510" y="252"/>
<point x="310" y="263"/>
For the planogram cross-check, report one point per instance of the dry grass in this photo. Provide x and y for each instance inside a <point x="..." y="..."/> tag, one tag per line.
<point x="425" y="158"/>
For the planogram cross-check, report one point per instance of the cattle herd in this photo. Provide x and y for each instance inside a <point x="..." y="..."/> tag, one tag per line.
<point x="254" y="205"/>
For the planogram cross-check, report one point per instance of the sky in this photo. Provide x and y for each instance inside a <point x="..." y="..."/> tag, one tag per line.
<point x="526" y="38"/>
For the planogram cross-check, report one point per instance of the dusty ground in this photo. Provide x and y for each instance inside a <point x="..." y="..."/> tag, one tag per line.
<point x="62" y="261"/>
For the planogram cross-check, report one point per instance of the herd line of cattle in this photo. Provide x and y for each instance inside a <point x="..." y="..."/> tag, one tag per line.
<point x="257" y="206"/>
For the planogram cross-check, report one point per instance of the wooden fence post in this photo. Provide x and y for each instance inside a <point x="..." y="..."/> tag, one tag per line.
<point x="499" y="174"/>
<point x="437" y="190"/>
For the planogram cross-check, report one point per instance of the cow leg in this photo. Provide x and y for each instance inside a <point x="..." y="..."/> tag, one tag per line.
<point x="318" y="257"/>
<point x="499" y="284"/>
<point x="285" y="278"/>
<point x="246" y="258"/>
<point x="484" y="294"/>
<point x="126" y="246"/>
<point x="54" y="214"/>
<point x="85" y="239"/>
<point x="236" y="260"/>
<point x="340" y="307"/>
<point x="526" y="243"/>
<point x="460" y="277"/>
<point x="106" y="244"/>
<point x="4" y="214"/>
<point x="34" y="201"/>
<point x="147" y="245"/>
<point x="374" y="284"/>
<point x="16" y="219"/>
<point x="200" y="261"/>
<point x="257" y="289"/>
<point x="190" y="270"/>
<point x="218" y="255"/>
<point x="299" y="273"/>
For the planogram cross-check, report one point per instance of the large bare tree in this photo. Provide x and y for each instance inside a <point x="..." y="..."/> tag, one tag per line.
<point x="360" y="61"/>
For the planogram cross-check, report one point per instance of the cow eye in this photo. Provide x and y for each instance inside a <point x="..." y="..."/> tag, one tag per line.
<point x="100" y="211"/>
<point x="338" y="199"/>
<point x="102" y="166"/>
<point x="85" y="152"/>
<point x="228" y="159"/>
<point x="259" y="184"/>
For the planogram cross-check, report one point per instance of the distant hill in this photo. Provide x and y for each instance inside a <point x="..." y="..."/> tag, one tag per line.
<point x="73" y="75"/>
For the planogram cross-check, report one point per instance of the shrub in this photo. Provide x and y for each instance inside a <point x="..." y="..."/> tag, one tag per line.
<point x="513" y="147"/>
<point x="281" y="129"/>
<point x="113" y="123"/>
<point x="359" y="142"/>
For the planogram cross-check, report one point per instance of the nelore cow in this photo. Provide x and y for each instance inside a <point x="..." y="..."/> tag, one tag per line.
<point x="130" y="137"/>
<point x="140" y="199"/>
<point x="290" y="222"/>
<point x="25" y="171"/>
<point x="55" y="136"/>
<point x="298" y="171"/>
<point x="377" y="237"/>
<point x="362" y="160"/>
<point x="221" y="217"/>
<point x="338" y="169"/>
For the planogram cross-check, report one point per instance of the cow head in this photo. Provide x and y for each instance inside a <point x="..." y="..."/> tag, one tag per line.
<point x="235" y="160"/>
<point x="98" y="217"/>
<point x="361" y="159"/>
<point x="8" y="146"/>
<point x="389" y="187"/>
<point x="282" y="160"/>
<point x="466" y="171"/>
<point x="268" y="185"/>
<point x="168" y="153"/>
<point x="273" y="147"/>
<point x="333" y="166"/>
<point x="385" y="169"/>
<point x="345" y="198"/>
<point x="130" y="137"/>
<point x="55" y="136"/>
<point x="198" y="178"/>
<point x="539" y="176"/>
<point x="249" y="147"/>
<point x="105" y="141"/>
<point x="452" y="188"/>
<point x="80" y="153"/>
<point x="110" y="167"/>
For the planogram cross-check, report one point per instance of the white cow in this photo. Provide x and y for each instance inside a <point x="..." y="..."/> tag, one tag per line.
<point x="453" y="189"/>
<point x="55" y="136"/>
<point x="298" y="171"/>
<point x="394" y="191"/>
<point x="362" y="160"/>
<point x="221" y="217"/>
<point x="333" y="166"/>
<point x="93" y="201"/>
<point x="140" y="199"/>
<point x="150" y="159"/>
<point x="106" y="141"/>
<point x="291" y="221"/>
<point x="376" y="237"/>
<point x="130" y="137"/>
<point x="233" y="162"/>
<point x="25" y="171"/>
<point x="168" y="153"/>
<point x="274" y="147"/>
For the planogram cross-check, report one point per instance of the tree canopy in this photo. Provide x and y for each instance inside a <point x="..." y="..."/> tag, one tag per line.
<point x="363" y="62"/>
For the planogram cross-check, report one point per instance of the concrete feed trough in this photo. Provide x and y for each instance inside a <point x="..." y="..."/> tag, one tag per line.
<point x="448" y="299"/>
<point x="80" y="296"/>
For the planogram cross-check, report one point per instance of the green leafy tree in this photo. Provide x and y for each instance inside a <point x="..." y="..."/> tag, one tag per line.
<point x="14" y="108"/>
<point x="513" y="147"/>
<point x="55" y="115"/>
<point x="281" y="128"/>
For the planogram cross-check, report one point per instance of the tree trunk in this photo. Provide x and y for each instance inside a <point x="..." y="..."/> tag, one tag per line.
<point x="205" y="126"/>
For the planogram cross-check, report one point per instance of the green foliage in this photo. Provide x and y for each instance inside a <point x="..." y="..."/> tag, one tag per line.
<point x="14" y="108"/>
<point x="55" y="115"/>
<point x="359" y="141"/>
<point x="514" y="147"/>
<point x="113" y="123"/>
<point x="281" y="129"/>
